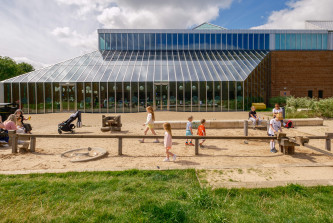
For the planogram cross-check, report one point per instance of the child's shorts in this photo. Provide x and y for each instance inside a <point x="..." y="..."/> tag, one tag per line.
<point x="151" y="126"/>
<point x="188" y="133"/>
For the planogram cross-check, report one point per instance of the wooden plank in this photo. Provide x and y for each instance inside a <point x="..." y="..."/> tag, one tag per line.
<point x="32" y="144"/>
<point x="246" y="128"/>
<point x="196" y="146"/>
<point x="120" y="146"/>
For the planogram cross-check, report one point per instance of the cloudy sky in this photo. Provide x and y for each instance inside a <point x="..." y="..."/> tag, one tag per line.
<point x="44" y="32"/>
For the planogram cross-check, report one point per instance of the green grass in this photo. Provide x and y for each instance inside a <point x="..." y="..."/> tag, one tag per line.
<point x="153" y="196"/>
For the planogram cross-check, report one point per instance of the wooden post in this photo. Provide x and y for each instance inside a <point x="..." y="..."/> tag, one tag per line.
<point x="103" y="123"/>
<point x="268" y="125"/>
<point x="32" y="144"/>
<point x="246" y="127"/>
<point x="13" y="139"/>
<point x="328" y="141"/>
<point x="120" y="146"/>
<point x="196" y="146"/>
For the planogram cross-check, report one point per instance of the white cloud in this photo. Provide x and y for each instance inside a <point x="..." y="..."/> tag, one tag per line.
<point x="35" y="64"/>
<point x="297" y="11"/>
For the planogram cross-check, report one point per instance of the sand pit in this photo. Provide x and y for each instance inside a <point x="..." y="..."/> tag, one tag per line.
<point x="218" y="154"/>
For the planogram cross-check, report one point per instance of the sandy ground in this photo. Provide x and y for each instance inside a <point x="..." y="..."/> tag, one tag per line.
<point x="218" y="154"/>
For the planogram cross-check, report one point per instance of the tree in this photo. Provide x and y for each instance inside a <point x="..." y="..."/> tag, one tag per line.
<point x="9" y="68"/>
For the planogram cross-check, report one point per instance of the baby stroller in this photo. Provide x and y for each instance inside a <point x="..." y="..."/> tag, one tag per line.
<point x="66" y="126"/>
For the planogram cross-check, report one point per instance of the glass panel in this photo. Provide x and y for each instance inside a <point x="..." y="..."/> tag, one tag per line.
<point x="319" y="41"/>
<point x="163" y="41"/>
<point x="24" y="97"/>
<point x="141" y="41"/>
<point x="88" y="97"/>
<point x="262" y="41"/>
<point x="191" y="41"/>
<point x="202" y="42"/>
<point x="180" y="96"/>
<point x="188" y="87"/>
<point x="164" y="97"/>
<point x="40" y="98"/>
<point x="118" y="41"/>
<point x="127" y="97"/>
<point x="203" y="92"/>
<point x="195" y="96"/>
<point x="56" y="97"/>
<point x="225" y="96"/>
<point x="186" y="41"/>
<point x="113" y="41"/>
<point x="103" y="98"/>
<point x="229" y="42"/>
<point x="304" y="42"/>
<point x="152" y="41"/>
<point x="124" y="41"/>
<point x="210" y="96"/>
<point x="217" y="95"/>
<point x="16" y="95"/>
<point x="169" y="41"/>
<point x="196" y="41"/>
<point x="71" y="98"/>
<point x="134" y="97"/>
<point x="142" y="96"/>
<point x="32" y="98"/>
<point x="174" y="41"/>
<point x="150" y="93"/>
<point x="207" y="41"/>
<point x="240" y="41"/>
<point x="314" y="41"/>
<point x="107" y="41"/>
<point x="218" y="41"/>
<point x="224" y="41"/>
<point x="101" y="41"/>
<point x="135" y="41"/>
<point x="111" y="94"/>
<point x="290" y="44"/>
<point x="251" y="41"/>
<point x="119" y="97"/>
<point x="158" y="41"/>
<point x="240" y="96"/>
<point x="180" y="41"/>
<point x="213" y="41"/>
<point x="283" y="41"/>
<point x="158" y="96"/>
<point x="308" y="41"/>
<point x="232" y="96"/>
<point x="7" y="94"/>
<point x="130" y="42"/>
<point x="324" y="41"/>
<point x="95" y="90"/>
<point x="256" y="41"/>
<point x="266" y="41"/>
<point x="173" y="96"/>
<point x="80" y="98"/>
<point x="298" y="41"/>
<point x="234" y="41"/>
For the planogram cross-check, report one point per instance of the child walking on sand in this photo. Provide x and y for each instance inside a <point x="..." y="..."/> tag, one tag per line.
<point x="168" y="142"/>
<point x="202" y="131"/>
<point x="150" y="123"/>
<point x="274" y="127"/>
<point x="189" y="131"/>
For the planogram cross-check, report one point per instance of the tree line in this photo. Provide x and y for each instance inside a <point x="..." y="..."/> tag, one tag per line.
<point x="9" y="68"/>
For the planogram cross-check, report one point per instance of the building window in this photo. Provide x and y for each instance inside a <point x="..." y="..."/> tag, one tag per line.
<point x="320" y="94"/>
<point x="310" y="94"/>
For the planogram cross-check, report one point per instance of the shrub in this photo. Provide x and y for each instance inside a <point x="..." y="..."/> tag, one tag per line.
<point x="315" y="107"/>
<point x="281" y="100"/>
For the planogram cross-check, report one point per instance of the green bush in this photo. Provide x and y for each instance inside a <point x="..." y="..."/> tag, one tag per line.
<point x="281" y="100"/>
<point x="315" y="107"/>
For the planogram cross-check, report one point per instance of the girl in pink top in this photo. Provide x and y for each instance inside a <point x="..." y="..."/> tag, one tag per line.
<point x="168" y="142"/>
<point x="10" y="124"/>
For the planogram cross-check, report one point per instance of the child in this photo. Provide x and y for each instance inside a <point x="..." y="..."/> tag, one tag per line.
<point x="20" y="119"/>
<point x="254" y="117"/>
<point x="202" y="131"/>
<point x="274" y="127"/>
<point x="189" y="131"/>
<point x="150" y="123"/>
<point x="168" y="142"/>
<point x="278" y="112"/>
<point x="10" y="124"/>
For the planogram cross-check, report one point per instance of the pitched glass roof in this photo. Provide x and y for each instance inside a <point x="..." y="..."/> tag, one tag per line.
<point x="149" y="66"/>
<point x="317" y="24"/>
<point x="207" y="25"/>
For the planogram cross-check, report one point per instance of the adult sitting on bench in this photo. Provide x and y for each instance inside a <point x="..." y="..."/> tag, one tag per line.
<point x="253" y="117"/>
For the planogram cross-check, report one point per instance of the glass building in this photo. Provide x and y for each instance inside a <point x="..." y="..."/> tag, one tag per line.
<point x="208" y="68"/>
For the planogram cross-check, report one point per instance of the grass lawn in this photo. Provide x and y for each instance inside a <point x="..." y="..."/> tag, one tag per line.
<point x="153" y="196"/>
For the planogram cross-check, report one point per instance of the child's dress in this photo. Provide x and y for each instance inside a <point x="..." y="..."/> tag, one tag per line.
<point x="167" y="140"/>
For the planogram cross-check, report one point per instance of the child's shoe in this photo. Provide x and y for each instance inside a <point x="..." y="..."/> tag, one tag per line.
<point x="174" y="157"/>
<point x="186" y="144"/>
<point x="166" y="160"/>
<point x="273" y="150"/>
<point x="201" y="146"/>
<point x="191" y="144"/>
<point x="156" y="141"/>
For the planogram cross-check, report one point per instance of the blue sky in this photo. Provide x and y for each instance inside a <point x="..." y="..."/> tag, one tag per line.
<point x="248" y="13"/>
<point x="45" y="32"/>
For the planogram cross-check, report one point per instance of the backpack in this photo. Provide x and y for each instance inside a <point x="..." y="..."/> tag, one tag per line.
<point x="289" y="124"/>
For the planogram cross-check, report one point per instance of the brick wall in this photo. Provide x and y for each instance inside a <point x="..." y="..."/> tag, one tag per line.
<point x="297" y="72"/>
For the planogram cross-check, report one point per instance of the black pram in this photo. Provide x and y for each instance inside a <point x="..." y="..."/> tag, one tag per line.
<point x="66" y="126"/>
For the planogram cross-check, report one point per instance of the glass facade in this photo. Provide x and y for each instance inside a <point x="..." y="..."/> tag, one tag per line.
<point x="187" y="70"/>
